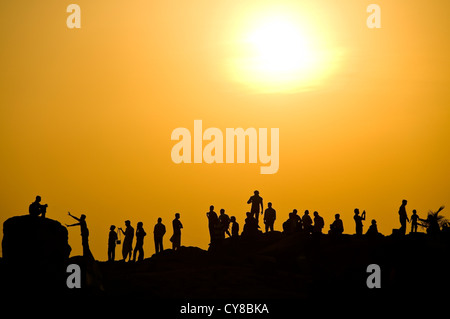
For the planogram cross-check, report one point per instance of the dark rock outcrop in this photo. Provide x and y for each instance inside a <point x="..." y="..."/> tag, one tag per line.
<point x="35" y="253"/>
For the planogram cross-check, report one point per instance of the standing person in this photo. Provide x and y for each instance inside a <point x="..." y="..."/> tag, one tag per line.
<point x="127" y="246"/>
<point x="307" y="222"/>
<point x="140" y="234"/>
<point x="158" y="233"/>
<point x="212" y="222"/>
<point x="84" y="234"/>
<point x="36" y="208"/>
<point x="256" y="202"/>
<point x="403" y="217"/>
<point x="224" y="221"/>
<point x="270" y="215"/>
<point x="318" y="223"/>
<point x="414" y="219"/>
<point x="358" y="221"/>
<point x="176" y="237"/>
<point x="112" y="239"/>
<point x="234" y="227"/>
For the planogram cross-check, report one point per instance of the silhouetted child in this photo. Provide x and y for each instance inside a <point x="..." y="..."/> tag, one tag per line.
<point x="127" y="246"/>
<point x="307" y="222"/>
<point x="234" y="227"/>
<point x="36" y="209"/>
<point x="373" y="229"/>
<point x="140" y="234"/>
<point x="270" y="215"/>
<point x="414" y="219"/>
<point x="112" y="240"/>
<point x="358" y="221"/>
<point x="318" y="223"/>
<point x="224" y="222"/>
<point x="158" y="233"/>
<point x="176" y="237"/>
<point x="337" y="227"/>
<point x="256" y="202"/>
<point x="84" y="234"/>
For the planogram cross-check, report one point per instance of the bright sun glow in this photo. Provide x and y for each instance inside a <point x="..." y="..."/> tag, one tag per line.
<point x="280" y="54"/>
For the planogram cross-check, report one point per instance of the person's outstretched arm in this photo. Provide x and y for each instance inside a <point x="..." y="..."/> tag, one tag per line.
<point x="73" y="217"/>
<point x="76" y="224"/>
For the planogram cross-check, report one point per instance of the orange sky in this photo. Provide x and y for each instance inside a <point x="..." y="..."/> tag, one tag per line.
<point x="86" y="114"/>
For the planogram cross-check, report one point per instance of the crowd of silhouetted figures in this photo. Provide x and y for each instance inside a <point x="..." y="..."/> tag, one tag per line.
<point x="223" y="225"/>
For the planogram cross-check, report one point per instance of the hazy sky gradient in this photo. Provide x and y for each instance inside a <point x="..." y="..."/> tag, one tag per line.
<point x="86" y="115"/>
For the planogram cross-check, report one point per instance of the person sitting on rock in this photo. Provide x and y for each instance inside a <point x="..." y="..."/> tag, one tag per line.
<point x="337" y="227"/>
<point x="36" y="209"/>
<point x="234" y="227"/>
<point x="373" y="229"/>
<point x="251" y="226"/>
<point x="318" y="223"/>
<point x="293" y="223"/>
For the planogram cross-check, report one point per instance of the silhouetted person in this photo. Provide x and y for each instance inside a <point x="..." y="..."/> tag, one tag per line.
<point x="127" y="246"/>
<point x="158" y="233"/>
<point x="84" y="234"/>
<point x="36" y="209"/>
<point x="289" y="224"/>
<point x="403" y="217"/>
<point x="234" y="227"/>
<point x="256" y="202"/>
<point x="270" y="215"/>
<point x="176" y="237"/>
<point x="112" y="240"/>
<point x="139" y="248"/>
<point x="373" y="229"/>
<point x="297" y="221"/>
<point x="213" y="220"/>
<point x="414" y="219"/>
<point x="307" y="222"/>
<point x="318" y="223"/>
<point x="337" y="227"/>
<point x="224" y="222"/>
<point x="250" y="227"/>
<point x="358" y="221"/>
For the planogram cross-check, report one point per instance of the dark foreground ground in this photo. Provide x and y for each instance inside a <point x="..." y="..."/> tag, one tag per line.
<point x="284" y="272"/>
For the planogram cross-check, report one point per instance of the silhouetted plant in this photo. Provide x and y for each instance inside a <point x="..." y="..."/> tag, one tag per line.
<point x="434" y="222"/>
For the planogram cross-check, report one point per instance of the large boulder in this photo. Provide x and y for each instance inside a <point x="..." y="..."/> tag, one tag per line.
<point x="35" y="253"/>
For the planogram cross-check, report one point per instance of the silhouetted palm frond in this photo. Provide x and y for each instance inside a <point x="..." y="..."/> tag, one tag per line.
<point x="434" y="220"/>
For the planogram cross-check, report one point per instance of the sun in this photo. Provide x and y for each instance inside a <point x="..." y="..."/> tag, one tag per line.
<point x="279" y="53"/>
<point x="280" y="48"/>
